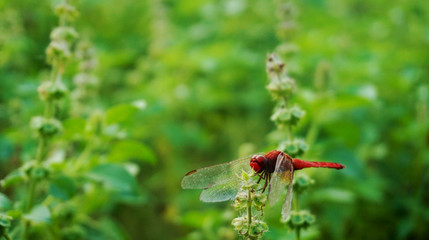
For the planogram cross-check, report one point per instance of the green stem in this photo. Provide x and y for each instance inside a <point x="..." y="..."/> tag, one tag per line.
<point x="25" y="230"/>
<point x="290" y="132"/>
<point x="296" y="204"/>
<point x="40" y="150"/>
<point x="32" y="190"/>
<point x="249" y="211"/>
<point x="84" y="155"/>
<point x="32" y="186"/>
<point x="5" y="235"/>
<point x="297" y="233"/>
<point x="296" y="207"/>
<point x="286" y="101"/>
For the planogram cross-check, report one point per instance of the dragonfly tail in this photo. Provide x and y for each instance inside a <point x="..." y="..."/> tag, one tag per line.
<point x="300" y="164"/>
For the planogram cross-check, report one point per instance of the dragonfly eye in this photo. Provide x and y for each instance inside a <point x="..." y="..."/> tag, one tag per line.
<point x="257" y="163"/>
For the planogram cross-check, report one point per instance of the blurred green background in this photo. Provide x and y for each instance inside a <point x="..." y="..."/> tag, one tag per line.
<point x="362" y="70"/>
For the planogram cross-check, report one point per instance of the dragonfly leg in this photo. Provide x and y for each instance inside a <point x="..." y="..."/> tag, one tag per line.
<point x="260" y="177"/>
<point x="267" y="180"/>
<point x="266" y="177"/>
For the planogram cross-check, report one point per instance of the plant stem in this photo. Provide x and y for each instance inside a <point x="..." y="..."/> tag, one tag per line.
<point x="249" y="211"/>
<point x="286" y="105"/>
<point x="297" y="233"/>
<point x="295" y="202"/>
<point x="290" y="132"/>
<point x="40" y="150"/>
<point x="80" y="160"/>
<point x="25" y="230"/>
<point x="32" y="185"/>
<point x="296" y="206"/>
<point x="5" y="235"/>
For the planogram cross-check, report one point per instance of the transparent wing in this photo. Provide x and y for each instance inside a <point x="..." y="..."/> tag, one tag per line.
<point x="281" y="177"/>
<point x="288" y="199"/>
<point x="220" y="182"/>
<point x="221" y="191"/>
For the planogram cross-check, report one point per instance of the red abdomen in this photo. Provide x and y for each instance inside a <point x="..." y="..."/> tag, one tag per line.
<point x="300" y="164"/>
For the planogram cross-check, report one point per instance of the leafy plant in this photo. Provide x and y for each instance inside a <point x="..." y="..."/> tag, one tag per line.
<point x="282" y="87"/>
<point x="250" y="225"/>
<point x="360" y="66"/>
<point x="75" y="179"/>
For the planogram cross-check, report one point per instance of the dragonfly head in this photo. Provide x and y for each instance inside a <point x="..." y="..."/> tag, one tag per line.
<point x="257" y="163"/>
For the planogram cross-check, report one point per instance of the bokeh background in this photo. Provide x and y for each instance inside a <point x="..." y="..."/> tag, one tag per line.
<point x="362" y="70"/>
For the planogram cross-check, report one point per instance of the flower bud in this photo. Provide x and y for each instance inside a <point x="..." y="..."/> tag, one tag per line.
<point x="294" y="148"/>
<point x="287" y="116"/>
<point x="287" y="10"/>
<point x="66" y="10"/>
<point x="280" y="89"/>
<point x="239" y="223"/>
<point x="241" y="200"/>
<point x="301" y="219"/>
<point x="39" y="172"/>
<point x="248" y="199"/>
<point x="259" y="200"/>
<point x="46" y="127"/>
<point x="274" y="66"/>
<point x="52" y="90"/>
<point x="67" y="34"/>
<point x="257" y="228"/>
<point x="301" y="183"/>
<point x="57" y="50"/>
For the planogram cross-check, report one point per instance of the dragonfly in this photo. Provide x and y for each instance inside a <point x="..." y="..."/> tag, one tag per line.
<point x="221" y="183"/>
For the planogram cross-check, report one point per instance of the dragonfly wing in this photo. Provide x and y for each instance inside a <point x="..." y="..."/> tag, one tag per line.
<point x="220" y="174"/>
<point x="281" y="178"/>
<point x="220" y="191"/>
<point x="288" y="199"/>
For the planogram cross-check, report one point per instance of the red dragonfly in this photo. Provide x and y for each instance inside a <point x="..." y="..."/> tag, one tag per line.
<point x="220" y="182"/>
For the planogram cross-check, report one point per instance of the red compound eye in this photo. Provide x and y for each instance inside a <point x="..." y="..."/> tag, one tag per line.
<point x="257" y="163"/>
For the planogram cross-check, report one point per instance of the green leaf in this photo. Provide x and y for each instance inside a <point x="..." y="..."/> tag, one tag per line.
<point x="14" y="177"/>
<point x="120" y="113"/>
<point x="74" y="128"/>
<point x="5" y="220"/>
<point x="115" y="177"/>
<point x="110" y="229"/>
<point x="39" y="214"/>
<point x="4" y="202"/>
<point x="62" y="187"/>
<point x="131" y="150"/>
<point x="6" y="149"/>
<point x="15" y="213"/>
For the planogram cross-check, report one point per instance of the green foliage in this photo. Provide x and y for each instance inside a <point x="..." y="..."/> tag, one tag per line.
<point x="73" y="179"/>
<point x="38" y="214"/>
<point x="302" y="219"/>
<point x="250" y="202"/>
<point x="361" y="72"/>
